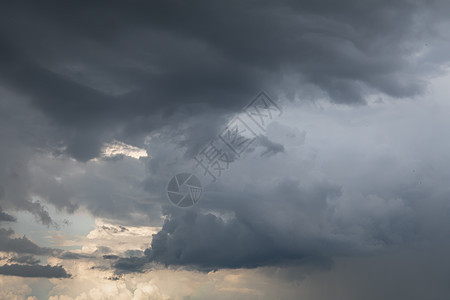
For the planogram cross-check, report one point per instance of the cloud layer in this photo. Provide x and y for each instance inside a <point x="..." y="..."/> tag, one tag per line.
<point x="101" y="103"/>
<point x="119" y="71"/>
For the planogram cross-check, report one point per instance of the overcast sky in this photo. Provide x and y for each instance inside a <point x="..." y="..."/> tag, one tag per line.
<point x="343" y="194"/>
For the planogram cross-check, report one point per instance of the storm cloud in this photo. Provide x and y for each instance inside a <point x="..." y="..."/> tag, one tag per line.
<point x="110" y="69"/>
<point x="34" y="271"/>
<point x="208" y="243"/>
<point x="102" y="102"/>
<point x="76" y="75"/>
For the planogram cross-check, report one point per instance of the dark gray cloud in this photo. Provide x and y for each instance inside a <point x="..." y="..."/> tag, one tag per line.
<point x="110" y="256"/>
<point x="112" y="69"/>
<point x="67" y="255"/>
<point x="8" y="243"/>
<point x="46" y="271"/>
<point x="23" y="132"/>
<point x="24" y="259"/>
<point x="208" y="242"/>
<point x="130" y="264"/>
<point x="5" y="217"/>
<point x="289" y="223"/>
<point x="22" y="245"/>
<point x="77" y="75"/>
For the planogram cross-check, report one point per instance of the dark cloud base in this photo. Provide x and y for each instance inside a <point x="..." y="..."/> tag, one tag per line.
<point x="68" y="57"/>
<point x="206" y="242"/>
<point x="5" y="217"/>
<point x="34" y="271"/>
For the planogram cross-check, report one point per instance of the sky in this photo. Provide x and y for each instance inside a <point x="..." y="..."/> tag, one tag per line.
<point x="339" y="188"/>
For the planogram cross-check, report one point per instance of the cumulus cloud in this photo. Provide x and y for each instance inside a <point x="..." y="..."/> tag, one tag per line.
<point x="14" y="288"/>
<point x="208" y="243"/>
<point x="356" y="192"/>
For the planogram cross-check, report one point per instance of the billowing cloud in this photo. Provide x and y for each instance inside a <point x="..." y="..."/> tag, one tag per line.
<point x="207" y="242"/>
<point x="119" y="72"/>
<point x="357" y="192"/>
<point x="89" y="84"/>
